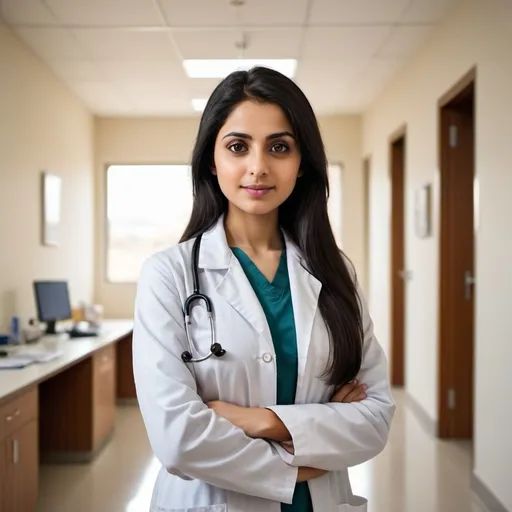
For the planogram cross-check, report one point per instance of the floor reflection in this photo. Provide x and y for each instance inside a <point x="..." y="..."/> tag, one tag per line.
<point x="415" y="473"/>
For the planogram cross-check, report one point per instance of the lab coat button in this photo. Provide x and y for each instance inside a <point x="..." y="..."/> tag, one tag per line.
<point x="267" y="358"/>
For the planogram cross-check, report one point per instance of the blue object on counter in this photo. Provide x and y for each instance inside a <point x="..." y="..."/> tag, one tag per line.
<point x="4" y="339"/>
<point x="15" y="329"/>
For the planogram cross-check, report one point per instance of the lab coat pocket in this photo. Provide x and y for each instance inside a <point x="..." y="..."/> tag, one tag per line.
<point x="357" y="504"/>
<point x="209" y="508"/>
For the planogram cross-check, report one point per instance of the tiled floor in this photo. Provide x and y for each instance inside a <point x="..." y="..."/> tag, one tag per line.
<point x="415" y="473"/>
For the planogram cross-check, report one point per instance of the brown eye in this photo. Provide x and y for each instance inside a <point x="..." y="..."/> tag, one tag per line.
<point x="280" y="148"/>
<point x="237" y="147"/>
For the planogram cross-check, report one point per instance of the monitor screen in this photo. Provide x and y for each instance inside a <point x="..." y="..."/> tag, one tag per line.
<point x="52" y="298"/>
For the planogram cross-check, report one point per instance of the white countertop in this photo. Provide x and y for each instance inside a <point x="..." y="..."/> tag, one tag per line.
<point x="13" y="380"/>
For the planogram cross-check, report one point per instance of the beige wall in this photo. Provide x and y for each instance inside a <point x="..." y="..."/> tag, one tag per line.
<point x="154" y="141"/>
<point x="42" y="127"/>
<point x="477" y="33"/>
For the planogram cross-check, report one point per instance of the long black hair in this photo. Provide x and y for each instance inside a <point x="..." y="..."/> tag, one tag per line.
<point x="303" y="216"/>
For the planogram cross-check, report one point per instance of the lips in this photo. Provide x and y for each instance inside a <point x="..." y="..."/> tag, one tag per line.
<point x="257" y="190"/>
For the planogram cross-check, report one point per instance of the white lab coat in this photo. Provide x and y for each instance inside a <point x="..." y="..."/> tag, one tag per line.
<point x="208" y="464"/>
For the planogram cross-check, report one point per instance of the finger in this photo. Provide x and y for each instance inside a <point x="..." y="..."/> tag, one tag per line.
<point x="344" y="391"/>
<point x="359" y="398"/>
<point x="356" y="392"/>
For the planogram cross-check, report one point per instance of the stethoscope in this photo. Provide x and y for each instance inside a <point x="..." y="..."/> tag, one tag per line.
<point x="215" y="348"/>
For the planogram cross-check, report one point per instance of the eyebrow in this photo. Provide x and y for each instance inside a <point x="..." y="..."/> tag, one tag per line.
<point x="272" y="136"/>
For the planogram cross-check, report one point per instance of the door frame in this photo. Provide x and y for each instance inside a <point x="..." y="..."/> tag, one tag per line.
<point x="397" y="351"/>
<point x="367" y="178"/>
<point x="445" y="345"/>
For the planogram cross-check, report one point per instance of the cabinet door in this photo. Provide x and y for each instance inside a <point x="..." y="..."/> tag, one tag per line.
<point x="3" y="475"/>
<point x="104" y="394"/>
<point x="22" y="469"/>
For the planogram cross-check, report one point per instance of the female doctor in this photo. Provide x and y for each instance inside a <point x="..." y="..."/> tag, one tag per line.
<point x="272" y="416"/>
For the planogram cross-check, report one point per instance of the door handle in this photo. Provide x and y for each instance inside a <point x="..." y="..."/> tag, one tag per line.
<point x="405" y="275"/>
<point x="15" y="451"/>
<point x="469" y="283"/>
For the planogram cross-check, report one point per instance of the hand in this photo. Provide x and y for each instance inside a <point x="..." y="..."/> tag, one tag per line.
<point x="288" y="446"/>
<point x="351" y="392"/>
<point x="252" y="420"/>
<point x="306" y="474"/>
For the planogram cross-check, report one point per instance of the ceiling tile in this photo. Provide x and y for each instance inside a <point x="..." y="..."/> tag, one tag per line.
<point x="431" y="11"/>
<point x="335" y="43"/>
<point x="220" y="13"/>
<point x="71" y="71"/>
<point x="99" y="93"/>
<point x="372" y="80"/>
<point x="141" y="70"/>
<point x="356" y="12"/>
<point x="210" y="44"/>
<point x="53" y="43"/>
<point x="26" y="11"/>
<point x="404" y="41"/>
<point x="175" y="105"/>
<point x="322" y="71"/>
<point x="105" y="12"/>
<point x="169" y="88"/>
<point x="107" y="45"/>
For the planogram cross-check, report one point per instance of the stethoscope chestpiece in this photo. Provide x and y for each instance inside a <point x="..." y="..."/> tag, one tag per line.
<point x="217" y="350"/>
<point x="186" y="357"/>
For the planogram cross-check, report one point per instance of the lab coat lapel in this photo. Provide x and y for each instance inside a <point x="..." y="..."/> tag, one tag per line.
<point x="234" y="287"/>
<point x="305" y="290"/>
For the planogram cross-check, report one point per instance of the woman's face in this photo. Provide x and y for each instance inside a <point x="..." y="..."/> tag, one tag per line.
<point x="256" y="158"/>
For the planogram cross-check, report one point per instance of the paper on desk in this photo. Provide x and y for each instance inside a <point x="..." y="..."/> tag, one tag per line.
<point x="15" y="362"/>
<point x="40" y="355"/>
<point x="28" y="356"/>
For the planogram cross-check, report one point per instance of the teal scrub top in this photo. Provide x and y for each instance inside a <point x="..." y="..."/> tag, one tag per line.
<point x="276" y="300"/>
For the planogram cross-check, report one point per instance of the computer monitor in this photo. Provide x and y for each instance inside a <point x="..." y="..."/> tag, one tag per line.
<point x="52" y="299"/>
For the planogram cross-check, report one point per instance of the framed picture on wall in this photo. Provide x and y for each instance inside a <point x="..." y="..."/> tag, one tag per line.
<point x="51" y="208"/>
<point x="423" y="211"/>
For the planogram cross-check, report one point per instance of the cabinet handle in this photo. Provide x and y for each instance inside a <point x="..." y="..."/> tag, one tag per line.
<point x="15" y="414"/>
<point x="15" y="451"/>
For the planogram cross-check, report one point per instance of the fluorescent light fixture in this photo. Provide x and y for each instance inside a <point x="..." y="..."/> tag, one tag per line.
<point x="198" y="104"/>
<point x="220" y="68"/>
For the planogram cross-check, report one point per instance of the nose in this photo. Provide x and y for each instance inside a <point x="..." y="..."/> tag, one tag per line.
<point x="258" y="164"/>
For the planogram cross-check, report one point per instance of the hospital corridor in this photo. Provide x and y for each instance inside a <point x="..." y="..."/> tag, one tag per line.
<point x="255" y="255"/>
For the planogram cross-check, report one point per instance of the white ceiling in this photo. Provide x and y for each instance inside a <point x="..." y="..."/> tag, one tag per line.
<point x="123" y="57"/>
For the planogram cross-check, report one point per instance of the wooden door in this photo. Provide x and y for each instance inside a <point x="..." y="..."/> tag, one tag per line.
<point x="398" y="272"/>
<point x="457" y="269"/>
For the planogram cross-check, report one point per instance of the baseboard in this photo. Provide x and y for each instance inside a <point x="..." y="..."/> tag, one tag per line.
<point x="486" y="495"/>
<point x="127" y="401"/>
<point x="75" y="457"/>
<point x="424" y="418"/>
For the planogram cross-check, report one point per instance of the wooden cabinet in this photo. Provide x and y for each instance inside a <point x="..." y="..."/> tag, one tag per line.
<point x="82" y="396"/>
<point x="126" y="392"/>
<point x="19" y="461"/>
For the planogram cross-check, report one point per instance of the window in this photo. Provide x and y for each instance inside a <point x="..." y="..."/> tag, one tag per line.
<point x="148" y="208"/>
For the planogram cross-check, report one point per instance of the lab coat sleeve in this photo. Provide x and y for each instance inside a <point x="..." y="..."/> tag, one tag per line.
<point x="335" y="436"/>
<point x="187" y="437"/>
